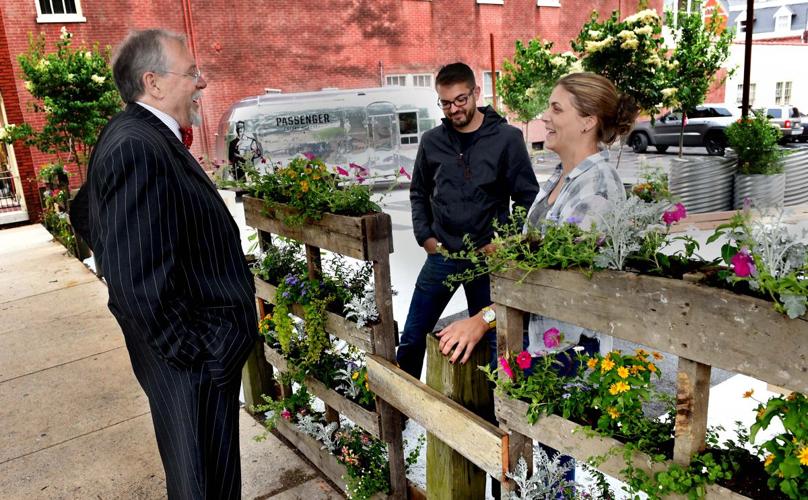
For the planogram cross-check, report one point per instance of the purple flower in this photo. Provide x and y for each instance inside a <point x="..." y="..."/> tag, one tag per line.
<point x="743" y="263"/>
<point x="309" y="156"/>
<point x="285" y="295"/>
<point x="506" y="367"/>
<point x="573" y="220"/>
<point x="552" y="338"/>
<point x="360" y="170"/>
<point x="672" y="216"/>
<point x="523" y="360"/>
<point x="601" y="240"/>
<point x="403" y="171"/>
<point x="342" y="171"/>
<point x="286" y="414"/>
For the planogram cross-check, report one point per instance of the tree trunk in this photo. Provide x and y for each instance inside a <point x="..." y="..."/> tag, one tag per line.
<point x="682" y="133"/>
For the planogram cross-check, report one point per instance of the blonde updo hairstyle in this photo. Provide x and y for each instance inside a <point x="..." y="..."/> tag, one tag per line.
<point x="594" y="95"/>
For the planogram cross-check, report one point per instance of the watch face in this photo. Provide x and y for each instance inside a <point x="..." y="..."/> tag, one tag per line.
<point x="489" y="315"/>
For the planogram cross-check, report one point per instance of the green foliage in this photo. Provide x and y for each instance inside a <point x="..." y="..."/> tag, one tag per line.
<point x="74" y="91"/>
<point x="652" y="185"/>
<point x="527" y="80"/>
<point x="755" y="140"/>
<point x="297" y="403"/>
<point x="787" y="459"/>
<point x="307" y="185"/>
<point x="279" y="260"/>
<point x="629" y="53"/>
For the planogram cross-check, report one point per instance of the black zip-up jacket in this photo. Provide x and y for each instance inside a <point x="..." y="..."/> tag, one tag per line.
<point x="454" y="194"/>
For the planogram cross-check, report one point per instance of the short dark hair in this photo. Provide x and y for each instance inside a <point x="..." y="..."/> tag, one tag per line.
<point x="454" y="73"/>
<point x="140" y="52"/>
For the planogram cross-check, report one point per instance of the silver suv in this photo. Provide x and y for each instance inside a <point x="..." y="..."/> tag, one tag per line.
<point x="705" y="126"/>
<point x="787" y="119"/>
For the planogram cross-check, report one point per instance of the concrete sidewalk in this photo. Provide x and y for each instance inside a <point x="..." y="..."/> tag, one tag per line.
<point x="74" y="422"/>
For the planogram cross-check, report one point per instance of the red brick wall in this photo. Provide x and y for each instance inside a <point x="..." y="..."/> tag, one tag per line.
<point x="299" y="45"/>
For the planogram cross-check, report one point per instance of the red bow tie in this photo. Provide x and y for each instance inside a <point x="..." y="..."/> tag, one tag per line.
<point x="187" y="136"/>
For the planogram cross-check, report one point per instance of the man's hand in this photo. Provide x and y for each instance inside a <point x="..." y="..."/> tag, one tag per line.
<point x="462" y="336"/>
<point x="431" y="245"/>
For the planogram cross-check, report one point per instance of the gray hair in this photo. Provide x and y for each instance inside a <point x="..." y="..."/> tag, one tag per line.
<point x="140" y="52"/>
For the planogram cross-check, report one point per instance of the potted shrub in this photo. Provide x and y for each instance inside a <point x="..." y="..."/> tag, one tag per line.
<point x="760" y="176"/>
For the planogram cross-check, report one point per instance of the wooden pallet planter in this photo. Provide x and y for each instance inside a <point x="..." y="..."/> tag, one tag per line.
<point x="704" y="326"/>
<point x="368" y="238"/>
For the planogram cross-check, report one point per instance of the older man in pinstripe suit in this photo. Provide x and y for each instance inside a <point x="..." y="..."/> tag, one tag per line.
<point x="178" y="282"/>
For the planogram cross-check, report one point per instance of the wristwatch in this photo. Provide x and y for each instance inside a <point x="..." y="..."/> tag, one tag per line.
<point x="490" y="316"/>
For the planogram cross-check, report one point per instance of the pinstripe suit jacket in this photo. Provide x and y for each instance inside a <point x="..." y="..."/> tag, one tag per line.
<point x="168" y="248"/>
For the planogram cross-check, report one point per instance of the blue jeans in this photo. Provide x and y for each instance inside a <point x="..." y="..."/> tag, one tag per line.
<point x="430" y="298"/>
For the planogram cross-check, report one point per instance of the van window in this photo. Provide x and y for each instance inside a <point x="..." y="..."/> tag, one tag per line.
<point x="774" y="113"/>
<point x="408" y="127"/>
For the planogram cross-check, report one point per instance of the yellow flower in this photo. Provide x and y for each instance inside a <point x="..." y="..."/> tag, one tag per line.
<point x="623" y="372"/>
<point x="304" y="186"/>
<point x="292" y="174"/>
<point x="642" y="353"/>
<point x="307" y="170"/>
<point x="768" y="461"/>
<point x="316" y="177"/>
<point x="760" y="413"/>
<point x="592" y="363"/>
<point x="367" y="386"/>
<point x="635" y="369"/>
<point x="618" y="387"/>
<point x="803" y="456"/>
<point x="606" y="365"/>
<point x="792" y="396"/>
<point x="355" y="375"/>
<point x="652" y="368"/>
<point x="613" y="412"/>
<point x="748" y="394"/>
<point x="656" y="355"/>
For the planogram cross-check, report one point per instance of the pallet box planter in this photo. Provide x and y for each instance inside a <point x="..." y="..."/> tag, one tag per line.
<point x="702" y="325"/>
<point x="368" y="238"/>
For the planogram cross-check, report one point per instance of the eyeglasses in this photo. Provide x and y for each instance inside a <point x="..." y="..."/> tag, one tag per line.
<point x="195" y="76"/>
<point x="458" y="101"/>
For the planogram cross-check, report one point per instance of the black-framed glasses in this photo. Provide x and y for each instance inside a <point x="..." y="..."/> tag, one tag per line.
<point x="195" y="76"/>
<point x="458" y="101"/>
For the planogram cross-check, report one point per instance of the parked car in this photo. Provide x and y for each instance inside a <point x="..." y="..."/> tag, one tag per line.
<point x="803" y="137"/>
<point x="787" y="119"/>
<point x="704" y="127"/>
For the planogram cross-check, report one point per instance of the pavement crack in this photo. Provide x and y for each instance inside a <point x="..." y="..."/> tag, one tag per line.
<point x="62" y="364"/>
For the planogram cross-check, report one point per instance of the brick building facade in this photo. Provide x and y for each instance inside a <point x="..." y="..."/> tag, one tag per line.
<point x="293" y="46"/>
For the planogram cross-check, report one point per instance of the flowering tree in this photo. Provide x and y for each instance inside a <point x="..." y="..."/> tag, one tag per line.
<point x="528" y="80"/>
<point x="74" y="91"/>
<point x="630" y="53"/>
<point x="701" y="48"/>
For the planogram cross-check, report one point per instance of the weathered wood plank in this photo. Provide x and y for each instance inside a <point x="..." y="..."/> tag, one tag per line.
<point x="362" y="417"/>
<point x="335" y="324"/>
<point x="336" y="233"/>
<point x="470" y="435"/>
<point x="572" y="439"/>
<point x="256" y="376"/>
<point x="692" y="400"/>
<point x="712" y="326"/>
<point x="449" y="474"/>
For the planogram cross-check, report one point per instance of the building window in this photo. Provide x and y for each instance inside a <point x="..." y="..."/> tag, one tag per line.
<point x="493" y="2"/>
<point x="739" y="98"/>
<point x="422" y="80"/>
<point x="408" y="127"/>
<point x="59" y="11"/>
<point x="782" y="93"/>
<point x="400" y="80"/>
<point x="782" y="23"/>
<point x="488" y="89"/>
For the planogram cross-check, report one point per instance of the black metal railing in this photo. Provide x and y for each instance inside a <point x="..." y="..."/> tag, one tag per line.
<point x="9" y="198"/>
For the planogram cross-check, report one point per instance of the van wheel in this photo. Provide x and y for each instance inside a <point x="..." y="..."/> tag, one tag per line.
<point x="639" y="142"/>
<point x="715" y="144"/>
<point x="661" y="149"/>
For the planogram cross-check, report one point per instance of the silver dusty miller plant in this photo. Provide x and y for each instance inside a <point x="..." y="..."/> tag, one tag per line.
<point x="320" y="432"/>
<point x="547" y="482"/>
<point x="625" y="225"/>
<point x="362" y="308"/>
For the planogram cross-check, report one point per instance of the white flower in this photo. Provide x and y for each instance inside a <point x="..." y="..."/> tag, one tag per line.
<point x="655" y="60"/>
<point x="65" y="34"/>
<point x="647" y="16"/>
<point x="668" y="92"/>
<point x="29" y="86"/>
<point x="578" y="348"/>
<point x="70" y="77"/>
<point x="629" y="44"/>
<point x="627" y="35"/>
<point x="645" y="30"/>
<point x="568" y="54"/>
<point x="592" y="47"/>
<point x="88" y="55"/>
<point x="558" y="61"/>
<point x="98" y="79"/>
<point x="594" y="34"/>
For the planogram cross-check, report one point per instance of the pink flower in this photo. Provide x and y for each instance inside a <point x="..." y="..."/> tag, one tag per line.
<point x="360" y="170"/>
<point x="743" y="263"/>
<point x="552" y="338"/>
<point x="506" y="367"/>
<point x="523" y="360"/>
<point x="671" y="216"/>
<point x="286" y="414"/>
<point x="404" y="172"/>
<point x="342" y="171"/>
<point x="309" y="156"/>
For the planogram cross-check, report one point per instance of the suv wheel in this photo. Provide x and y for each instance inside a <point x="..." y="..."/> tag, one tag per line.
<point x="638" y="142"/>
<point x="715" y="144"/>
<point x="661" y="149"/>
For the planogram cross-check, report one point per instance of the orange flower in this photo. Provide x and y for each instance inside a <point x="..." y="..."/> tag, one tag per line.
<point x="641" y="353"/>
<point x="760" y="413"/>
<point x="618" y="387"/>
<point x="656" y="355"/>
<point x="606" y="365"/>
<point x="769" y="459"/>
<point x="748" y="394"/>
<point x="304" y="186"/>
<point x="613" y="412"/>
<point x="635" y="369"/>
<point x="652" y="368"/>
<point x="623" y="372"/>
<point x="592" y="363"/>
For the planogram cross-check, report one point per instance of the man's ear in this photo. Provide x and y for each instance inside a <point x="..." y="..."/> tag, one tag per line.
<point x="151" y="86"/>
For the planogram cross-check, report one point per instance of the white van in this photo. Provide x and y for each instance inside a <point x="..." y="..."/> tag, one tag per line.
<point x="376" y="128"/>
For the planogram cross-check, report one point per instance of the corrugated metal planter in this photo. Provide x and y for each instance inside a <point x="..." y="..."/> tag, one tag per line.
<point x="796" y="169"/>
<point x="703" y="184"/>
<point x="762" y="190"/>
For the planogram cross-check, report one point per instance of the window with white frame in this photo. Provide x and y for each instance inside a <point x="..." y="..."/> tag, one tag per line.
<point x="786" y="92"/>
<point x="400" y="80"/>
<point x="782" y="93"/>
<point x="59" y="11"/>
<point x="752" y="88"/>
<point x="424" y="80"/>
<point x="782" y="23"/>
<point x="494" y="2"/>
<point x="488" y="89"/>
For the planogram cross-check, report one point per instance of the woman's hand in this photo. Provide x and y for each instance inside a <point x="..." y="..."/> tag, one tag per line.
<point x="462" y="336"/>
